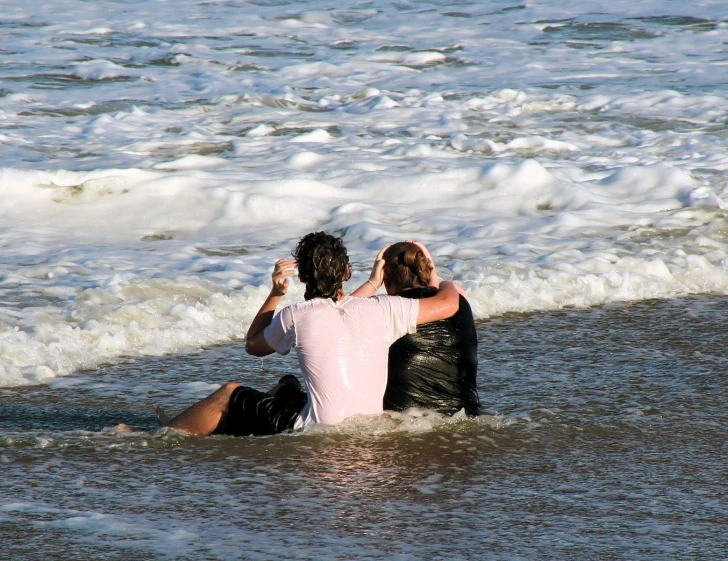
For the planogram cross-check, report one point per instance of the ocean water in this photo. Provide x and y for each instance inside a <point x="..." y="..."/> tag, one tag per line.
<point x="565" y="162"/>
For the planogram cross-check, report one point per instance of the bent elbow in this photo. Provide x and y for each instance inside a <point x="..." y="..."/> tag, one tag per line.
<point x="454" y="306"/>
<point x="257" y="346"/>
<point x="450" y="304"/>
<point x="447" y="308"/>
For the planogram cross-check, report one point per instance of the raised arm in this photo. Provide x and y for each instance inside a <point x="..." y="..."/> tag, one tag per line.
<point x="440" y="306"/>
<point x="255" y="343"/>
<point x="376" y="277"/>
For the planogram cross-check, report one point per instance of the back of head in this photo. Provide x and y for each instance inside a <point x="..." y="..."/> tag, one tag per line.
<point x="405" y="266"/>
<point x="323" y="265"/>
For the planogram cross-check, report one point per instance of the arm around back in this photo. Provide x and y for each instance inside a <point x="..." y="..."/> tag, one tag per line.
<point x="440" y="306"/>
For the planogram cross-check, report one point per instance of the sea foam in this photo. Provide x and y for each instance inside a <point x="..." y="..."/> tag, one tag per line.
<point x="153" y="167"/>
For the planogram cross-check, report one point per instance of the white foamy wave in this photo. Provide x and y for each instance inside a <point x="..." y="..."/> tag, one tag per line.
<point x="121" y="319"/>
<point x="410" y="421"/>
<point x="155" y="164"/>
<point x="518" y="237"/>
<point x="102" y="70"/>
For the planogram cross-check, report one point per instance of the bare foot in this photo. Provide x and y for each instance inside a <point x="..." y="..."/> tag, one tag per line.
<point x="164" y="419"/>
<point x="121" y="427"/>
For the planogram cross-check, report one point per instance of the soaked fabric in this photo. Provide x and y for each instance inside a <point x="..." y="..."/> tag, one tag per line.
<point x="342" y="350"/>
<point x="255" y="413"/>
<point x="436" y="367"/>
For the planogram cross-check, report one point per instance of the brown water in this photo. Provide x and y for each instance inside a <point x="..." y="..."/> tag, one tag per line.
<point x="605" y="439"/>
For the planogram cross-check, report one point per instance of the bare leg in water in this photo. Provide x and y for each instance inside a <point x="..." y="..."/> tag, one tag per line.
<point x="203" y="417"/>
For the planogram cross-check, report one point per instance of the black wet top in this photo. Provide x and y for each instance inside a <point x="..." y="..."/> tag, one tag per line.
<point x="436" y="367"/>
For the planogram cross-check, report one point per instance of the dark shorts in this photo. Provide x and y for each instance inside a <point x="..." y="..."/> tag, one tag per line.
<point x="255" y="413"/>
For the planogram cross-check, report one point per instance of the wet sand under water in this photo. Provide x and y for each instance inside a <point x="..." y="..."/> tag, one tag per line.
<point x="605" y="439"/>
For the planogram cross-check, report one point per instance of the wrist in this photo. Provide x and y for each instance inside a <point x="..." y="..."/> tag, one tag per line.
<point x="374" y="284"/>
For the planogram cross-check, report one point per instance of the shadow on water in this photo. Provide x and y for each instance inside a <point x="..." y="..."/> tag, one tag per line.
<point x="62" y="418"/>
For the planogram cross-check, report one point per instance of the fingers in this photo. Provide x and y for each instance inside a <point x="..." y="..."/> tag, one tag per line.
<point x="380" y="255"/>
<point x="426" y="253"/>
<point x="284" y="267"/>
<point x="422" y="247"/>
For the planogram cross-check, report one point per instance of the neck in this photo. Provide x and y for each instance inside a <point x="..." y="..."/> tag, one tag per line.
<point x="339" y="295"/>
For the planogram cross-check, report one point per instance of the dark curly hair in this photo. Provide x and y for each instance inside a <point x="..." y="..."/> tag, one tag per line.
<point x="323" y="265"/>
<point x="405" y="266"/>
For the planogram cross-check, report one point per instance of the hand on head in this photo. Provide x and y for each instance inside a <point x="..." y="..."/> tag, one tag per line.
<point x="426" y="266"/>
<point x="376" y="277"/>
<point x="426" y="253"/>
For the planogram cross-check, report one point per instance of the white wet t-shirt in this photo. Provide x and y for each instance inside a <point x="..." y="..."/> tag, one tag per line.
<point x="342" y="350"/>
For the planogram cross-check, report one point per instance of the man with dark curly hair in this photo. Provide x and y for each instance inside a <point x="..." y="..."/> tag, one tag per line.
<point x="341" y="342"/>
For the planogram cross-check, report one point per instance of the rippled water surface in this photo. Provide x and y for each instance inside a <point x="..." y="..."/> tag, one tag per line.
<point x="564" y="161"/>
<point x="605" y="439"/>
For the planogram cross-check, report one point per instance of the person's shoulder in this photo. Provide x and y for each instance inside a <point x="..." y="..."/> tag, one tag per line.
<point x="380" y="301"/>
<point x="376" y="301"/>
<point x="284" y="315"/>
<point x="311" y="304"/>
<point x="383" y="298"/>
<point x="394" y="302"/>
<point x="300" y="309"/>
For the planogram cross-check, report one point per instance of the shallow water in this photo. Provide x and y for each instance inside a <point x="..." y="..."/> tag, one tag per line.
<point x="560" y="159"/>
<point x="605" y="438"/>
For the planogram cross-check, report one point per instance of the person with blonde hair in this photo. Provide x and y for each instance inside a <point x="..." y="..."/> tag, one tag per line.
<point x="436" y="367"/>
